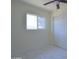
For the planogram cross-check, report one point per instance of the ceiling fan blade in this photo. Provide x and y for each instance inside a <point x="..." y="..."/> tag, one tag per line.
<point x="49" y="2"/>
<point x="63" y="1"/>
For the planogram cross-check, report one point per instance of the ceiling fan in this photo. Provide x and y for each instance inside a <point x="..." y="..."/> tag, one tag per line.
<point x="57" y="1"/>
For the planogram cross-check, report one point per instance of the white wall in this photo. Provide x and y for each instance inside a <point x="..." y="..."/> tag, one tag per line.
<point x="59" y="27"/>
<point x="60" y="30"/>
<point x="21" y="39"/>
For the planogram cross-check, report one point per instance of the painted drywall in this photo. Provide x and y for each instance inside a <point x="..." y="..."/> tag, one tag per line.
<point x="21" y="39"/>
<point x="59" y="26"/>
<point x="60" y="30"/>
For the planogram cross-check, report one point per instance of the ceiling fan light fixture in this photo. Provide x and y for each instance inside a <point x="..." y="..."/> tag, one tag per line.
<point x="58" y="7"/>
<point x="57" y="4"/>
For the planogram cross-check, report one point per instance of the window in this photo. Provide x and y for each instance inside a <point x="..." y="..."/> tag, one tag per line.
<point x="31" y="21"/>
<point x="35" y="22"/>
<point x="41" y="22"/>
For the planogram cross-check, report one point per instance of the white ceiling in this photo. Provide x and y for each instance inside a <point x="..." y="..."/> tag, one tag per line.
<point x="39" y="3"/>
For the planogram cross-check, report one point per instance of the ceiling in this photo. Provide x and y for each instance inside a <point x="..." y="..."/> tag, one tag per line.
<point x="39" y="3"/>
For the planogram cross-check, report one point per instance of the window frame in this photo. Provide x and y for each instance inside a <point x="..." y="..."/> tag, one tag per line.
<point x="37" y="22"/>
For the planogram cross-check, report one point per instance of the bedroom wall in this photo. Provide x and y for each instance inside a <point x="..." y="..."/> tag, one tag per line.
<point x="21" y="39"/>
<point x="59" y="21"/>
